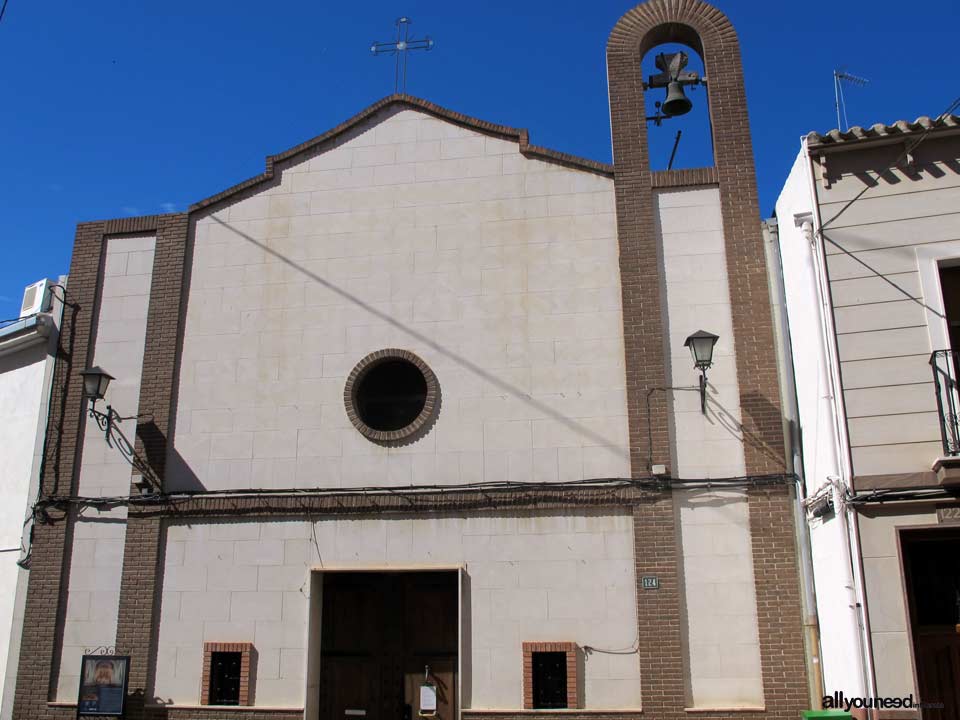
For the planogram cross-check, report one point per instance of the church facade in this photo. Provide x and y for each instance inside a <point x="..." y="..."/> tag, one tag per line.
<point x="417" y="433"/>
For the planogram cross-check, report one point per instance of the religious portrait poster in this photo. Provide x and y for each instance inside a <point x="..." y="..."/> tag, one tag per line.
<point x="103" y="685"/>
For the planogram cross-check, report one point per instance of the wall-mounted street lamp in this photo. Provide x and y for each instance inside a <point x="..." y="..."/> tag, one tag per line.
<point x="96" y="380"/>
<point x="701" y="345"/>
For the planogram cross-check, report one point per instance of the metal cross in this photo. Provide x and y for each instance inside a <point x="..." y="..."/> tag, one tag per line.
<point x="399" y="47"/>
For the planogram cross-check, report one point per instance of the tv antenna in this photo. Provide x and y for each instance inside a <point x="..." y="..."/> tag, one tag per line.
<point x="839" y="78"/>
<point x="400" y="47"/>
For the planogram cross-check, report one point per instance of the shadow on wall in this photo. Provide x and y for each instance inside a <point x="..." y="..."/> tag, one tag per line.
<point x="180" y="476"/>
<point x="758" y="409"/>
<point x="872" y="177"/>
<point x="420" y="337"/>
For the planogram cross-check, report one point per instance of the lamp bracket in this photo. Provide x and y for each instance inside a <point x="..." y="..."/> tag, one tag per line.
<point x="703" y="390"/>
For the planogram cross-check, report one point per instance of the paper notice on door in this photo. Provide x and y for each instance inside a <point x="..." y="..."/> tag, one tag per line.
<point x="355" y="713"/>
<point x="428" y="700"/>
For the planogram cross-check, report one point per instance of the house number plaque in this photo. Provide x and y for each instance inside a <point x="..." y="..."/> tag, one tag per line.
<point x="948" y="515"/>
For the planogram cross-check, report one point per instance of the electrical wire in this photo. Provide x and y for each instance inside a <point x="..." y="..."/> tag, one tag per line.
<point x="375" y="491"/>
<point x="3" y="10"/>
<point x="893" y="495"/>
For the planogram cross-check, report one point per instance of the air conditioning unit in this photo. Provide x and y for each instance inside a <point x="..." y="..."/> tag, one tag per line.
<point x="36" y="298"/>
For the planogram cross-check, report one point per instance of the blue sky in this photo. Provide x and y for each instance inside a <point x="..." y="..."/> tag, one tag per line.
<point x="114" y="108"/>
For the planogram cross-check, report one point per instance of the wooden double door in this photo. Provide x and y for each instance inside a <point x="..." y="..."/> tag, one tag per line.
<point x="932" y="564"/>
<point x="380" y="631"/>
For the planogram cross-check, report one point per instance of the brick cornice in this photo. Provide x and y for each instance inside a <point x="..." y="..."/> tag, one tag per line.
<point x="359" y="503"/>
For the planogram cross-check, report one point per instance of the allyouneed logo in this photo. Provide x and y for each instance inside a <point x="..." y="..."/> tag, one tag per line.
<point x="839" y="701"/>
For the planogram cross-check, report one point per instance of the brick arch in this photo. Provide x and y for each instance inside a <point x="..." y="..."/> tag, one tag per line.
<point x="704" y="29"/>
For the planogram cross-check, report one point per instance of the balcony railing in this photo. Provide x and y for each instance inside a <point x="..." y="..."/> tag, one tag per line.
<point x="944" y="364"/>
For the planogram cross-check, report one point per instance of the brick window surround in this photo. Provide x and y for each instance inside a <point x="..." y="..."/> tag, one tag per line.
<point x="529" y="648"/>
<point x="246" y="665"/>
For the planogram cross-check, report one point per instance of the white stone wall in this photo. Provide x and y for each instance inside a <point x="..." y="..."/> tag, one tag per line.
<point x="500" y="271"/>
<point x="720" y="600"/>
<point x="530" y="577"/>
<point x="97" y="559"/>
<point x="690" y="228"/>
<point x="720" y="597"/>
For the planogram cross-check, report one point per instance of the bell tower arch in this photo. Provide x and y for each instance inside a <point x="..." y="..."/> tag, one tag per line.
<point x="654" y="320"/>
<point x="708" y="32"/>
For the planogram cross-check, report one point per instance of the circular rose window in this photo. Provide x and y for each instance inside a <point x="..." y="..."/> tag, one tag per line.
<point x="391" y="395"/>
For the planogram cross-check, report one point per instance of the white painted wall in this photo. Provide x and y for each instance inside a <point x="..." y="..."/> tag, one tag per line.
<point x="500" y="271"/>
<point x="97" y="559"/>
<point x="720" y="597"/>
<point x="840" y="642"/>
<point x="532" y="576"/>
<point x="24" y="392"/>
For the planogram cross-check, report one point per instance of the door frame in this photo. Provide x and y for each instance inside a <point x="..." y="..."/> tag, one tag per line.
<point x="311" y="705"/>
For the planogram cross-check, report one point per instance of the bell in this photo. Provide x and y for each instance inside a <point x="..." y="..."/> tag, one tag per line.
<point x="676" y="103"/>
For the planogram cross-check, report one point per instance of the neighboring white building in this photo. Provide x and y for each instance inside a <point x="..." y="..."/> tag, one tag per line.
<point x="870" y="241"/>
<point x="27" y="356"/>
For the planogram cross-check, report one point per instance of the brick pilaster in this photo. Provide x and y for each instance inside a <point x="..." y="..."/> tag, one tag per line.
<point x="141" y="583"/>
<point x="660" y="646"/>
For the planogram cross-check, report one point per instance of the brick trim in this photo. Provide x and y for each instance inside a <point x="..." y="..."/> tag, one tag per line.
<point x="656" y="552"/>
<point x="573" y="680"/>
<point x="779" y="615"/>
<point x="684" y="177"/>
<point x="421" y="423"/>
<point x="247" y="664"/>
<point x="519" y="135"/>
